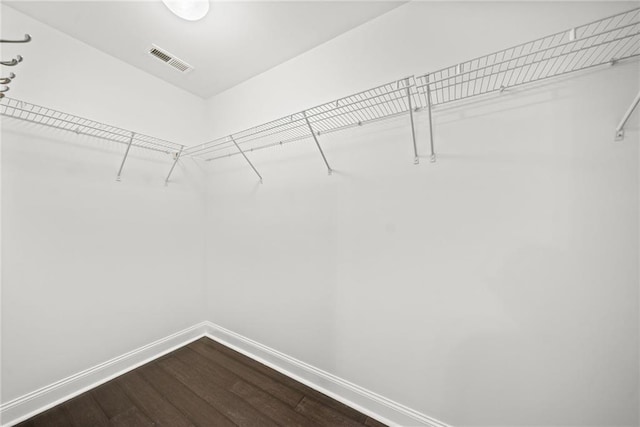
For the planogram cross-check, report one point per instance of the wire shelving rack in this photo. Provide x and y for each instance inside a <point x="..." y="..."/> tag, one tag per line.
<point x="605" y="41"/>
<point x="44" y="116"/>
<point x="385" y="101"/>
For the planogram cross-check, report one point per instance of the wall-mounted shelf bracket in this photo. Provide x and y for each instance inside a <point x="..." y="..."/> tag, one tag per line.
<point x="416" y="159"/>
<point x="126" y="153"/>
<point x="315" y="138"/>
<point x="246" y="158"/>
<point x="176" y="157"/>
<point x="625" y="118"/>
<point x="429" y="106"/>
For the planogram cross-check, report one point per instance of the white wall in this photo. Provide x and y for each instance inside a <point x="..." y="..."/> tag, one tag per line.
<point x="496" y="287"/>
<point x="92" y="268"/>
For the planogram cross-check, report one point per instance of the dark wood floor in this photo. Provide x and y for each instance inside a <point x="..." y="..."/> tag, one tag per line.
<point x="202" y="384"/>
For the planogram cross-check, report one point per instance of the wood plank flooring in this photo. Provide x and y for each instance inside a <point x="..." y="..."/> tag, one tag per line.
<point x="202" y="384"/>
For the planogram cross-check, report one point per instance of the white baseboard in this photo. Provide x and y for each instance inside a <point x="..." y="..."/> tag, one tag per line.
<point x="372" y="404"/>
<point x="365" y="401"/>
<point x="30" y="404"/>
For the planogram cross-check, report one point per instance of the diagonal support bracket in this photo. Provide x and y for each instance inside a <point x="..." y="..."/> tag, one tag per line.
<point x="315" y="138"/>
<point x="126" y="153"/>
<point x="176" y="157"/>
<point x="625" y="118"/>
<point x="416" y="159"/>
<point x="429" y="105"/>
<point x="246" y="158"/>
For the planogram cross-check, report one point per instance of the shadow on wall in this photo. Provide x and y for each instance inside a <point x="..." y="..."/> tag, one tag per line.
<point x="86" y="154"/>
<point x="83" y="142"/>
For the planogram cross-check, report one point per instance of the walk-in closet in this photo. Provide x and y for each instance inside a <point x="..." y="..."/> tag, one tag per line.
<point x="320" y="213"/>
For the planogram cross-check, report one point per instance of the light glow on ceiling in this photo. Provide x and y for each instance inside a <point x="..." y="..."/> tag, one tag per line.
<point x="191" y="10"/>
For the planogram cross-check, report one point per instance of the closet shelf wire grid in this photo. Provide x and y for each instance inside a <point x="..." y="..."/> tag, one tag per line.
<point x="21" y="110"/>
<point x="605" y="41"/>
<point x="388" y="100"/>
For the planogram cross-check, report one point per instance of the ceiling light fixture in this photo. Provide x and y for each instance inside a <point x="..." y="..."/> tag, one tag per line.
<point x="191" y="10"/>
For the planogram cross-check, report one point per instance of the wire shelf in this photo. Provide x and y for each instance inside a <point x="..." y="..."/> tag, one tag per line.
<point x="600" y="42"/>
<point x="604" y="41"/>
<point x="385" y="101"/>
<point x="607" y="40"/>
<point x="32" y="113"/>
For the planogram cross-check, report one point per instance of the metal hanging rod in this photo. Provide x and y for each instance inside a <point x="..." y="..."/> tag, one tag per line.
<point x="27" y="39"/>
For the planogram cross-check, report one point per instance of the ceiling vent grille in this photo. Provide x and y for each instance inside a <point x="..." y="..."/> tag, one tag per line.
<point x="170" y="59"/>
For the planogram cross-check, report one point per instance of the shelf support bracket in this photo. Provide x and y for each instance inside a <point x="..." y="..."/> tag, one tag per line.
<point x="176" y="157"/>
<point x="416" y="159"/>
<point x="246" y="158"/>
<point x="315" y="138"/>
<point x="431" y="143"/>
<point x="126" y="153"/>
<point x="625" y="118"/>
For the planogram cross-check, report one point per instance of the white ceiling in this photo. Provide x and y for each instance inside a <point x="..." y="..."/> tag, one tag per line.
<point x="234" y="42"/>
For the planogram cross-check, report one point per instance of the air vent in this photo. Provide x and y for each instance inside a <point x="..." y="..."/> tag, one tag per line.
<point x="170" y="59"/>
